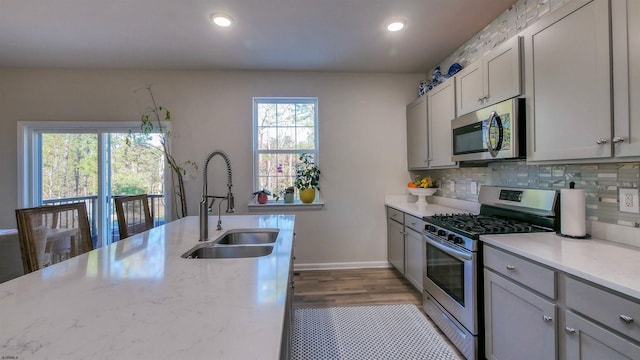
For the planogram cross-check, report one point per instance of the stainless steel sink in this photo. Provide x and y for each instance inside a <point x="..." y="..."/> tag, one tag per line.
<point x="211" y="251"/>
<point x="249" y="236"/>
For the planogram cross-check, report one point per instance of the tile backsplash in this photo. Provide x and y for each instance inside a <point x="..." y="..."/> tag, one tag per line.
<point x="600" y="182"/>
<point x="517" y="18"/>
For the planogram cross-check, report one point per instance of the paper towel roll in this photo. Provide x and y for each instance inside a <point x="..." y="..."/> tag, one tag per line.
<point x="573" y="212"/>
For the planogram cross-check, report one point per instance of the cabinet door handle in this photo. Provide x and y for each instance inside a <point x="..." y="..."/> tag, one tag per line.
<point x="547" y="318"/>
<point x="626" y="318"/>
<point x="480" y="99"/>
<point x="617" y="139"/>
<point x="570" y="330"/>
<point x="511" y="267"/>
<point x="602" y="141"/>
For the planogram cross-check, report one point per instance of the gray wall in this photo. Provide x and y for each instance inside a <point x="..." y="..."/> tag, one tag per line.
<point x="361" y="134"/>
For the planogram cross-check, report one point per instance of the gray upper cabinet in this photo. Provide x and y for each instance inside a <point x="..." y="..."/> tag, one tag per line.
<point x="470" y="90"/>
<point x="568" y="83"/>
<point x="429" y="128"/>
<point x="495" y="77"/>
<point x="417" y="134"/>
<point x="441" y="109"/>
<point x="625" y="26"/>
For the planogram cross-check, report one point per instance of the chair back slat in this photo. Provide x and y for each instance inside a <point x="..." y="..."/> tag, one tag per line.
<point x="133" y="214"/>
<point x="52" y="233"/>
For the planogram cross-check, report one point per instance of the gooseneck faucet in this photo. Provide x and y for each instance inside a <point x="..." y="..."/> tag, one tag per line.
<point x="204" y="206"/>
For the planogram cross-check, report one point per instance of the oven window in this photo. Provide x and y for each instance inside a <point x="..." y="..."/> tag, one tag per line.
<point x="447" y="272"/>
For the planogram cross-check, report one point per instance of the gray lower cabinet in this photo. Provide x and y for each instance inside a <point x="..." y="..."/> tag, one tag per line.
<point x="533" y="311"/>
<point x="405" y="248"/>
<point x="519" y="324"/>
<point x="413" y="254"/>
<point x="395" y="238"/>
<point x="585" y="340"/>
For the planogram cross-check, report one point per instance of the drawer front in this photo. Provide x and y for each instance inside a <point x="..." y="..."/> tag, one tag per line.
<point x="529" y="274"/>
<point x="616" y="312"/>
<point x="395" y="215"/>
<point x="414" y="223"/>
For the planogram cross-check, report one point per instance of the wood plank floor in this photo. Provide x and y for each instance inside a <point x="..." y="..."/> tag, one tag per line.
<point x="328" y="288"/>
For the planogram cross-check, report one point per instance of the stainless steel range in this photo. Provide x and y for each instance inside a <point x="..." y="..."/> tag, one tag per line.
<point x="453" y="257"/>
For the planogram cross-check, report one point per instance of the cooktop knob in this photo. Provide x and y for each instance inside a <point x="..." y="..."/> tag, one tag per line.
<point x="441" y="232"/>
<point x="457" y="240"/>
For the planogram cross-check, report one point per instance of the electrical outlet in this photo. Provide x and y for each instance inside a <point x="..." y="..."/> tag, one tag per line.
<point x="474" y="188"/>
<point x="628" y="200"/>
<point x="452" y="186"/>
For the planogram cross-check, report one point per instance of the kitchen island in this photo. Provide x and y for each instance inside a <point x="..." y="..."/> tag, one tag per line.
<point x="138" y="298"/>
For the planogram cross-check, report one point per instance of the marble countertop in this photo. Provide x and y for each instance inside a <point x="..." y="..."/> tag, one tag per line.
<point x="138" y="298"/>
<point x="609" y="264"/>
<point x="435" y="205"/>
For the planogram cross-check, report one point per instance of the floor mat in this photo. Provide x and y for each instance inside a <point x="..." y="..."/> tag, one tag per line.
<point x="367" y="332"/>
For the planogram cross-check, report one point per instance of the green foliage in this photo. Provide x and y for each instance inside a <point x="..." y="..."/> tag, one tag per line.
<point x="307" y="173"/>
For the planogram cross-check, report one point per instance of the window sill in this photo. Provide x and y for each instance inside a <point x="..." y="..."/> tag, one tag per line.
<point x="296" y="205"/>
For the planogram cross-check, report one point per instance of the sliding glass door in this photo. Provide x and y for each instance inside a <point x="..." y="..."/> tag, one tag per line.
<point x="90" y="164"/>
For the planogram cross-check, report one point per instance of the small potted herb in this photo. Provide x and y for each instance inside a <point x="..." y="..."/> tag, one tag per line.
<point x="262" y="196"/>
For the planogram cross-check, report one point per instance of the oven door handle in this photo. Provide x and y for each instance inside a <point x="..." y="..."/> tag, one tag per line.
<point x="493" y="150"/>
<point x="458" y="254"/>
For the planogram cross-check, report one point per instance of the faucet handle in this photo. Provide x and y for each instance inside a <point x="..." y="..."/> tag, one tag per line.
<point x="230" y="203"/>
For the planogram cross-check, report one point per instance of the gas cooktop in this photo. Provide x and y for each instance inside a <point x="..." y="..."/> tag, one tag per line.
<point x="475" y="225"/>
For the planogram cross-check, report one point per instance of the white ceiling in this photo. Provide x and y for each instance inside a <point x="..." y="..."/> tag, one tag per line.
<point x="311" y="35"/>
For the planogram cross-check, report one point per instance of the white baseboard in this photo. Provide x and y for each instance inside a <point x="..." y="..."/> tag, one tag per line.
<point x="341" y="266"/>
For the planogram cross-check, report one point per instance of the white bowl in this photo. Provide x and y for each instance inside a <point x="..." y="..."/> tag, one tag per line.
<point x="422" y="193"/>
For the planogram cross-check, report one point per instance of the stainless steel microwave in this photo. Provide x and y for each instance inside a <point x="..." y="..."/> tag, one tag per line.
<point x="491" y="133"/>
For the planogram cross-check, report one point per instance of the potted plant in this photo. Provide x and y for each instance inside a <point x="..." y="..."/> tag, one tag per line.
<point x="307" y="178"/>
<point x="286" y="194"/>
<point x="262" y="196"/>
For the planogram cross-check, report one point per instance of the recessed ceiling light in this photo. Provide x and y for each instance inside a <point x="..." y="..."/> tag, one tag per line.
<point x="396" y="25"/>
<point x="221" y="20"/>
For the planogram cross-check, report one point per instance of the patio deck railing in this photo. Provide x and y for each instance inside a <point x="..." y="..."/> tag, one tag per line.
<point x="156" y="205"/>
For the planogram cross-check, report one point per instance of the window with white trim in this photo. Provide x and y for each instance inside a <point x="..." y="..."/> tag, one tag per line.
<point x="283" y="128"/>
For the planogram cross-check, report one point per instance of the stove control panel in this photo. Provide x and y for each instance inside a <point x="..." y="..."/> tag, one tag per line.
<point x="451" y="237"/>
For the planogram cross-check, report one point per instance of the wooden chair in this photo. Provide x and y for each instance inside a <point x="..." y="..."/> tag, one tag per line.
<point x="52" y="233"/>
<point x="133" y="214"/>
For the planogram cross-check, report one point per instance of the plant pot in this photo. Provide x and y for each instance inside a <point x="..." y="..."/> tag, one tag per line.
<point x="262" y="198"/>
<point x="288" y="198"/>
<point x="307" y="195"/>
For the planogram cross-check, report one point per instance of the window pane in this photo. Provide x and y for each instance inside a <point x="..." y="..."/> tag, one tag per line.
<point x="266" y="114"/>
<point x="267" y="138"/>
<point x="305" y="138"/>
<point x="69" y="166"/>
<point x="286" y="114"/>
<point x="286" y="138"/>
<point x="305" y="114"/>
